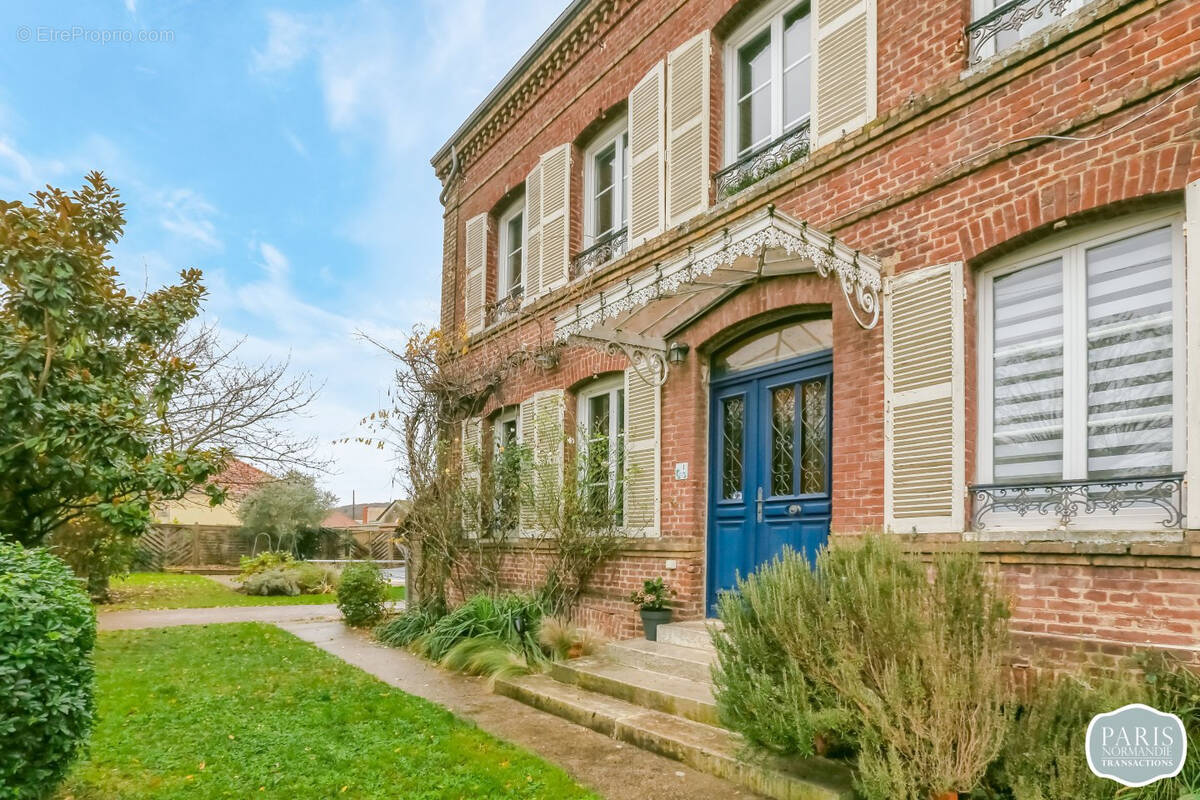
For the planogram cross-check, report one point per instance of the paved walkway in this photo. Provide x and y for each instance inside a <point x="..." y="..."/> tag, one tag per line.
<point x="614" y="770"/>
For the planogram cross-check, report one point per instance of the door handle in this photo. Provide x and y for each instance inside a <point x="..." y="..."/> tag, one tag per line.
<point x="795" y="509"/>
<point x="759" y="504"/>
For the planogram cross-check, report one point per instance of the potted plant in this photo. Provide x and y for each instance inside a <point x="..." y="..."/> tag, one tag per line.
<point x="651" y="601"/>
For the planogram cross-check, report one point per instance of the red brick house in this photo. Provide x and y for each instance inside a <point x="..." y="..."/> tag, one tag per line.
<point x="829" y="266"/>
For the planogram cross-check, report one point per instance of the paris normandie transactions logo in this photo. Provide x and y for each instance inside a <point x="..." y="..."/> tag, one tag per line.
<point x="1136" y="745"/>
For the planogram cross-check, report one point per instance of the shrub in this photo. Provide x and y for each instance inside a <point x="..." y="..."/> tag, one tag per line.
<point x="313" y="578"/>
<point x="511" y="618"/>
<point x="561" y="640"/>
<point x="874" y="652"/>
<point x="403" y="629"/>
<point x="263" y="562"/>
<point x="273" y="582"/>
<point x="47" y="629"/>
<point x="362" y="594"/>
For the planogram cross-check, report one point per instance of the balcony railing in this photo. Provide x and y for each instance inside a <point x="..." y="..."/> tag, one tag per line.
<point x="504" y="307"/>
<point x="608" y="248"/>
<point x="1066" y="502"/>
<point x="1011" y="22"/>
<point x="771" y="157"/>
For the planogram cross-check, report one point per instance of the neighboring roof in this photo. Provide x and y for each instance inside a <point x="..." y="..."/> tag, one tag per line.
<point x="240" y="479"/>
<point x="556" y="27"/>
<point x="337" y="519"/>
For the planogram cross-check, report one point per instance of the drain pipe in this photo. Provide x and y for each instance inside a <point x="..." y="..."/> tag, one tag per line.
<point x="451" y="176"/>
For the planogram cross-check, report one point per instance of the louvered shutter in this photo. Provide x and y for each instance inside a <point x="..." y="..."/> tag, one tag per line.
<point x="476" y="258"/>
<point x="471" y="442"/>
<point x="924" y="406"/>
<point x="542" y="432"/>
<point x="687" y="159"/>
<point x="646" y="150"/>
<point x="555" y="218"/>
<point x="844" y="60"/>
<point x="532" y="279"/>
<point x="1191" y="238"/>
<point x="641" y="472"/>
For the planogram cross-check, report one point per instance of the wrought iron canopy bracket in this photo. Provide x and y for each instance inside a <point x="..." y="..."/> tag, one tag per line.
<point x="648" y="359"/>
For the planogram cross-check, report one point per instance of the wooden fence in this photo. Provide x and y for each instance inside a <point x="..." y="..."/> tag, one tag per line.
<point x="167" y="545"/>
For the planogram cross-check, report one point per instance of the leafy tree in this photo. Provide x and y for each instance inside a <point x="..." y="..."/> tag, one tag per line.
<point x="87" y="372"/>
<point x="286" y="509"/>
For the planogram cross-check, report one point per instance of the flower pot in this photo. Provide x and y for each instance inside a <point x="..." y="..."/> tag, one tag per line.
<point x="652" y="618"/>
<point x="946" y="796"/>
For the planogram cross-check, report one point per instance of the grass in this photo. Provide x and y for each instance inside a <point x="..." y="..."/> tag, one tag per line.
<point x="146" y="590"/>
<point x="247" y="710"/>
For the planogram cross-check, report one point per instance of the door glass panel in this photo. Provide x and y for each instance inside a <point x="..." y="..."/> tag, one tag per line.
<point x="733" y="411"/>
<point x="776" y="344"/>
<point x="814" y="452"/>
<point x="783" y="440"/>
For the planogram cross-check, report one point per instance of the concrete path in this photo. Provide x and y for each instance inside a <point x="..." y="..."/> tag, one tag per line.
<point x="172" y="617"/>
<point x="615" y="770"/>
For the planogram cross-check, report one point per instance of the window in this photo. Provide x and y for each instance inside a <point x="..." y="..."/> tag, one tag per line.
<point x="607" y="184"/>
<point x="992" y="29"/>
<point x="512" y="248"/>
<point x="770" y="62"/>
<point x="1080" y="358"/>
<point x="601" y="444"/>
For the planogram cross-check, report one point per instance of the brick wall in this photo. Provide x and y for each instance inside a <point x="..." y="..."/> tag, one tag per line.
<point x="957" y="167"/>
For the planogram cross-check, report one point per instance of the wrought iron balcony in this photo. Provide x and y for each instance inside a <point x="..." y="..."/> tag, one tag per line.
<point x="608" y="248"/>
<point x="1002" y="26"/>
<point x="771" y="157"/>
<point x="1068" y="501"/>
<point x="504" y="307"/>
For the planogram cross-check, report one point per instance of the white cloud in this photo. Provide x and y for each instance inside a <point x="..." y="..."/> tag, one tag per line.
<point x="187" y="214"/>
<point x="296" y="142"/>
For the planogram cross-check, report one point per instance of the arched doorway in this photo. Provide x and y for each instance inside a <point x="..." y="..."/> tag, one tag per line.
<point x="770" y="443"/>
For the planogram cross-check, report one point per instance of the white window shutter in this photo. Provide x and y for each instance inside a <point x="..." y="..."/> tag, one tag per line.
<point x="1191" y="239"/>
<point x="687" y="129"/>
<point x="532" y="280"/>
<point x="555" y="195"/>
<point x="542" y="432"/>
<point x="471" y="442"/>
<point x="844" y="66"/>
<point x="646" y="151"/>
<point x="527" y="433"/>
<point x="924" y="401"/>
<point x="642" y="495"/>
<point x="476" y="262"/>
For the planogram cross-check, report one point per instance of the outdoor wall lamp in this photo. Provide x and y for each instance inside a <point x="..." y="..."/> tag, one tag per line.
<point x="677" y="352"/>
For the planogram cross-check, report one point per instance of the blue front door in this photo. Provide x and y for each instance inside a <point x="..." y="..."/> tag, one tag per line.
<point x="769" y="476"/>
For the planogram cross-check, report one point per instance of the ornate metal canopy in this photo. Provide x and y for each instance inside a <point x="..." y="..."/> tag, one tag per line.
<point x="638" y="316"/>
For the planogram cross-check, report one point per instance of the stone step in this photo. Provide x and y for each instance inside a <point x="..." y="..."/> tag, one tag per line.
<point x="700" y="746"/>
<point x="653" y="690"/>
<point x="669" y="659"/>
<point x="693" y="633"/>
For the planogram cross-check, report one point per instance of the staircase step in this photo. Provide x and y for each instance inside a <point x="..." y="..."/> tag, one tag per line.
<point x="669" y="659"/>
<point x="703" y="747"/>
<point x="693" y="633"/>
<point x="653" y="690"/>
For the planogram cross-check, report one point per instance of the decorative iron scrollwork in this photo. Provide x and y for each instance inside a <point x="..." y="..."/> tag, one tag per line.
<point x="1069" y="500"/>
<point x="772" y="157"/>
<point x="607" y="249"/>
<point x="1011" y="16"/>
<point x="504" y="307"/>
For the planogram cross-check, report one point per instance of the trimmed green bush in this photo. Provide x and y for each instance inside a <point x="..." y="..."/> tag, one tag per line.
<point x="272" y="582"/>
<point x="313" y="578"/>
<point x="362" y="594"/>
<point x="47" y="630"/>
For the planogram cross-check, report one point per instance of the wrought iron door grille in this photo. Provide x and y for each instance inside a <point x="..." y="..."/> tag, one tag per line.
<point x="1068" y="501"/>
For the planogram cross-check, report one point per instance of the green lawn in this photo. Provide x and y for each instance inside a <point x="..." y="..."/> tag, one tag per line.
<point x="247" y="710"/>
<point x="175" y="590"/>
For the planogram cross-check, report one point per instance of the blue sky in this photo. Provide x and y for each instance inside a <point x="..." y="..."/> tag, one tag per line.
<point x="282" y="149"/>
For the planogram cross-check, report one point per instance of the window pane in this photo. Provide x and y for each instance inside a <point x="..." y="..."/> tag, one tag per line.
<point x="783" y="441"/>
<point x="732" y="424"/>
<point x="814" y="449"/>
<point x="776" y="344"/>
<point x="602" y="196"/>
<point x="516" y="230"/>
<point x="797" y="67"/>
<point x="754" y="92"/>
<point x="1130" y="356"/>
<point x="623" y="186"/>
<point x="1027" y="374"/>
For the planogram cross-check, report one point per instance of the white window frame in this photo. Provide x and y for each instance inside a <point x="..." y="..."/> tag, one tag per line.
<point x="506" y="415"/>
<point x="517" y="206"/>
<point x="769" y="17"/>
<point x="617" y="134"/>
<point x="1071" y="247"/>
<point x="614" y="387"/>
